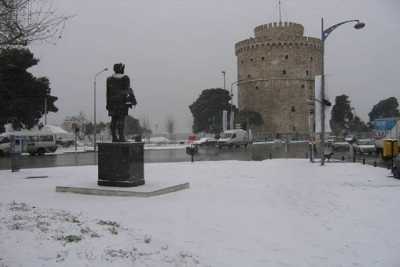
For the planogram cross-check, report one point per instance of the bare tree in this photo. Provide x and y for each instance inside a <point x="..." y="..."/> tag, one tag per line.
<point x="170" y="126"/>
<point x="26" y="21"/>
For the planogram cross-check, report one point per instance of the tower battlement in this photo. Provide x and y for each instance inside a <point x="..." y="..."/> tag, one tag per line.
<point x="264" y="43"/>
<point x="277" y="30"/>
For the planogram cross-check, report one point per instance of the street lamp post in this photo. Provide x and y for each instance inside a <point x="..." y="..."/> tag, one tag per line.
<point x="324" y="35"/>
<point x="45" y="110"/>
<point x="94" y="107"/>
<point x="230" y="124"/>
<point x="224" y="75"/>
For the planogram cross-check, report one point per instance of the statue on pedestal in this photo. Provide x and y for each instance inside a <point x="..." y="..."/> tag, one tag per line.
<point x="120" y="98"/>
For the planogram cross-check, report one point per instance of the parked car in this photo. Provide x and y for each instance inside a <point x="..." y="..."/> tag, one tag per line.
<point x="365" y="146"/>
<point x="205" y="141"/>
<point x="234" y="138"/>
<point x="65" y="142"/>
<point x="341" y="146"/>
<point x="331" y="139"/>
<point x="396" y="167"/>
<point x="191" y="139"/>
<point x="350" y="138"/>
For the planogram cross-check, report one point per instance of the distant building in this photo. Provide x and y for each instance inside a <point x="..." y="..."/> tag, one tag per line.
<point x="71" y="122"/>
<point x="276" y="70"/>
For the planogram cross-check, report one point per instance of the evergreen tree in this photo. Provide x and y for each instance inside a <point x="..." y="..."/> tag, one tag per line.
<point x="343" y="121"/>
<point x="207" y="110"/>
<point x="386" y="108"/>
<point x="358" y="126"/>
<point x="341" y="115"/>
<point x="22" y="96"/>
<point x="248" y="118"/>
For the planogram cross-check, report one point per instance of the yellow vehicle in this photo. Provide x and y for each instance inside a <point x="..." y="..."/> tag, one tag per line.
<point x="386" y="136"/>
<point x="390" y="148"/>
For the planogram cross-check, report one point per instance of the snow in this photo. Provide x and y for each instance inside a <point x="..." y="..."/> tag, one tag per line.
<point x="46" y="129"/>
<point x="267" y="213"/>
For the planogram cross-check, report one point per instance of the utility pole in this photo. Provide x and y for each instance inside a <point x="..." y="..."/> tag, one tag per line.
<point x="324" y="34"/>
<point x="224" y="75"/>
<point x="45" y="110"/>
<point x="322" y="136"/>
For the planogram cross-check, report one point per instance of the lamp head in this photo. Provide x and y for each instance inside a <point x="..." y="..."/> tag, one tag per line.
<point x="359" y="25"/>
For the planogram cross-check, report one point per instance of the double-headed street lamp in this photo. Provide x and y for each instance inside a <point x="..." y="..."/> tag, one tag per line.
<point x="94" y="106"/>
<point x="324" y="35"/>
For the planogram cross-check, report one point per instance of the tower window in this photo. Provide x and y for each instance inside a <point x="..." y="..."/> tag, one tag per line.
<point x="241" y="62"/>
<point x="284" y="72"/>
<point x="262" y="58"/>
<point x="302" y="86"/>
<point x="293" y="109"/>
<point x="251" y="59"/>
<point x="311" y="59"/>
<point x="257" y="88"/>
<point x="249" y="76"/>
<point x="307" y="72"/>
<point x="286" y="56"/>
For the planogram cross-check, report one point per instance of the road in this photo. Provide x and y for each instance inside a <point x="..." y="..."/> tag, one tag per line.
<point x="254" y="152"/>
<point x="153" y="155"/>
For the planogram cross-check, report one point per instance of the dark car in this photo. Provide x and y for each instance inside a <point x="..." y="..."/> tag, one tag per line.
<point x="396" y="167"/>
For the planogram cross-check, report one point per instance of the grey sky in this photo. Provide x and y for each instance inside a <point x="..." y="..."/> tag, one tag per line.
<point x="175" y="48"/>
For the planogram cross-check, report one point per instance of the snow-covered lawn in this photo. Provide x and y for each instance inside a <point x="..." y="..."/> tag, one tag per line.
<point x="236" y="213"/>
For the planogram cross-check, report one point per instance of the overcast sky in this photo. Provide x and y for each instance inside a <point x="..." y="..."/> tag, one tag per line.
<point x="173" y="49"/>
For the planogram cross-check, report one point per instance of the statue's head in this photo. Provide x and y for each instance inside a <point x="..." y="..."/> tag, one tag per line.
<point x="119" y="68"/>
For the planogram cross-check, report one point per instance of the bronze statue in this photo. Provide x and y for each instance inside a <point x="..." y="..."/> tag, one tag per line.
<point x="120" y="98"/>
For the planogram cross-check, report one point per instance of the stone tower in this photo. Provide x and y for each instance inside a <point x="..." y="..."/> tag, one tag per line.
<point x="276" y="73"/>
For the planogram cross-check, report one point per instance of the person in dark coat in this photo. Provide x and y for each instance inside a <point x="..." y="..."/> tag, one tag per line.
<point x="120" y="98"/>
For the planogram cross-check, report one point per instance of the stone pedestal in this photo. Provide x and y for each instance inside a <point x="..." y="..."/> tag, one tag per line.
<point x="121" y="164"/>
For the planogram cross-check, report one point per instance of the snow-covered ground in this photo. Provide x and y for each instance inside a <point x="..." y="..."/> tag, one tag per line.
<point x="268" y="213"/>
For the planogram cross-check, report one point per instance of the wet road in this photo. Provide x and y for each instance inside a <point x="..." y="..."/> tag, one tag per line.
<point x="90" y="158"/>
<point x="253" y="152"/>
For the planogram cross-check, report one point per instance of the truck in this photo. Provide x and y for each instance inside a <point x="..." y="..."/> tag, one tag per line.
<point x="386" y="131"/>
<point x="234" y="138"/>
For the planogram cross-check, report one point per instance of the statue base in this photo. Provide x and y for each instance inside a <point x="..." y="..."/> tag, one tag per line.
<point x="121" y="164"/>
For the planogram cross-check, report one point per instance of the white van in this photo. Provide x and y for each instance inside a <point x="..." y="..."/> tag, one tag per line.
<point x="231" y="138"/>
<point x="34" y="143"/>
